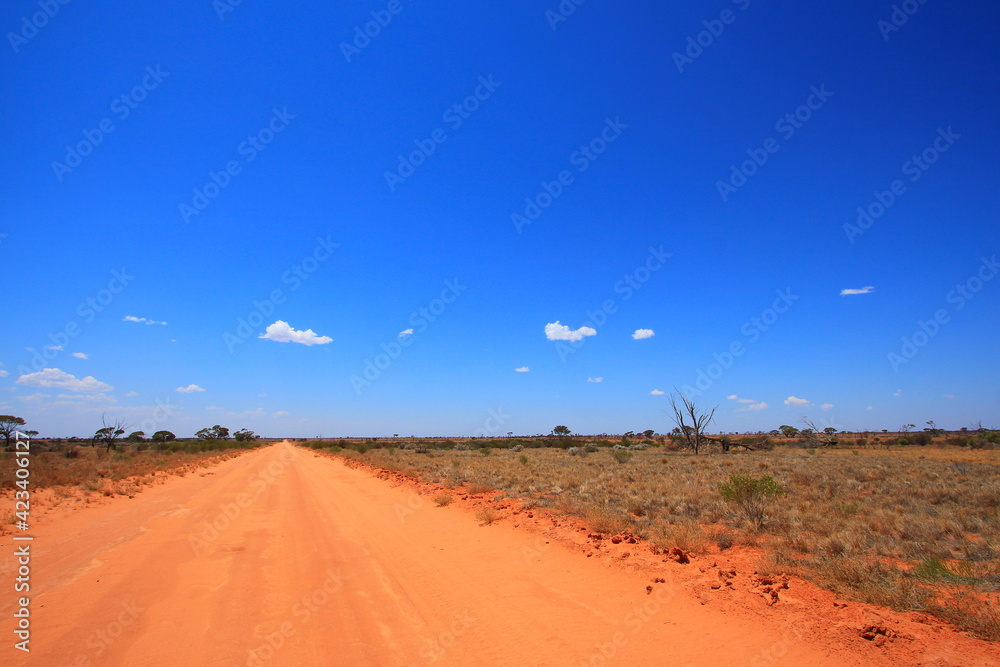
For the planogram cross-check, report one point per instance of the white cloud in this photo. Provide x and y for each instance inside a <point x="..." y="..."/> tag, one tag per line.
<point x="898" y="392"/>
<point x="643" y="333"/>
<point x="280" y="413"/>
<point x="34" y="398"/>
<point x="81" y="355"/>
<point x="132" y="393"/>
<point x="748" y="403"/>
<point x="827" y="406"/>
<point x="656" y="392"/>
<point x="212" y="407"/>
<point x="3" y="374"/>
<point x="53" y="377"/>
<point x="54" y="348"/>
<point x="595" y="379"/>
<point x="556" y="331"/>
<point x="406" y="332"/>
<point x="281" y="332"/>
<point x="863" y="290"/>
<point x="949" y="396"/>
<point x="190" y="389"/>
<point x="141" y="320"/>
<point x="522" y="369"/>
<point x="870" y="407"/>
<point x="792" y="400"/>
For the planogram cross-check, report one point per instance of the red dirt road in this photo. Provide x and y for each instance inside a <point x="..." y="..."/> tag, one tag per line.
<point x="310" y="562"/>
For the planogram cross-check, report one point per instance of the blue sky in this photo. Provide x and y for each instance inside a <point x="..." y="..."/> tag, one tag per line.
<point x="697" y="172"/>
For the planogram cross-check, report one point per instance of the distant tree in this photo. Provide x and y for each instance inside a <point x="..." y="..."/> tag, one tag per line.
<point x="163" y="436"/>
<point x="788" y="431"/>
<point x="214" y="433"/>
<point x="829" y="430"/>
<point x="561" y="430"/>
<point x="136" y="436"/>
<point x="692" y="421"/>
<point x="649" y="433"/>
<point x="108" y="434"/>
<point x="933" y="429"/>
<point x="245" y="435"/>
<point x="8" y="426"/>
<point x="905" y="428"/>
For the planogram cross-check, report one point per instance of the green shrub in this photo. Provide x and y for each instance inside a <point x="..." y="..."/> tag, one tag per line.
<point x="751" y="495"/>
<point x="621" y="455"/>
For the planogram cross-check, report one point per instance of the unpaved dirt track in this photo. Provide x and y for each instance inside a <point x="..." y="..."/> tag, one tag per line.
<point x="315" y="563"/>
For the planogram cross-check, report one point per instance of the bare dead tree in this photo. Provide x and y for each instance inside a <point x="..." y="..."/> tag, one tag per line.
<point x="816" y="436"/>
<point x="691" y="421"/>
<point x="108" y="434"/>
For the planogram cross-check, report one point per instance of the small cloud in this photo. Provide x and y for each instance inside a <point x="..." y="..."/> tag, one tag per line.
<point x="406" y="332"/>
<point x="190" y="389"/>
<point x="281" y="332"/>
<point x="522" y="369"/>
<point x="556" y="331"/>
<point x="898" y="392"/>
<point x="132" y="393"/>
<point x="280" y="413"/>
<point x="827" y="406"/>
<point x="212" y="407"/>
<point x="870" y="408"/>
<point x="863" y="290"/>
<point x="81" y="355"/>
<point x="53" y="377"/>
<point x="656" y="392"/>
<point x="793" y="400"/>
<point x="54" y="348"/>
<point x="643" y="333"/>
<point x="3" y="374"/>
<point x="595" y="379"/>
<point x="261" y="395"/>
<point x="949" y="396"/>
<point x="748" y="403"/>
<point x="140" y="320"/>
